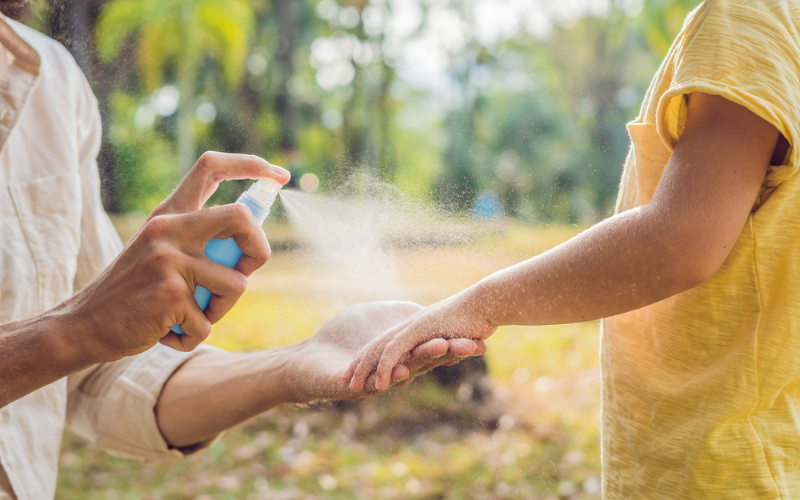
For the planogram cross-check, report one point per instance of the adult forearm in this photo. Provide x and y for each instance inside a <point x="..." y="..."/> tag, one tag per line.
<point x="217" y="390"/>
<point x="38" y="351"/>
<point x="624" y="263"/>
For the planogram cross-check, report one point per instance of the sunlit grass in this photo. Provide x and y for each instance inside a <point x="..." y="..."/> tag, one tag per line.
<point x="536" y="436"/>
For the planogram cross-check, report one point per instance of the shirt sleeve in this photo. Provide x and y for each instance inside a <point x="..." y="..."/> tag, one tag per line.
<point x="113" y="404"/>
<point x="100" y="244"/>
<point x="747" y="51"/>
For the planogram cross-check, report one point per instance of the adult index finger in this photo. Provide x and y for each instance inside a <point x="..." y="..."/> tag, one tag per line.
<point x="213" y="167"/>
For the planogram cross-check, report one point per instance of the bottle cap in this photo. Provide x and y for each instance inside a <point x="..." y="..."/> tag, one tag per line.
<point x="265" y="191"/>
<point x="260" y="197"/>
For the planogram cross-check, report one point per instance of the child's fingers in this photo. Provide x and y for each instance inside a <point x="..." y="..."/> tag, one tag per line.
<point x="421" y="356"/>
<point x="400" y="373"/>
<point x="462" y="348"/>
<point x="480" y="348"/>
<point x="390" y="356"/>
<point x="362" y="360"/>
<point x="424" y="353"/>
<point x="368" y="361"/>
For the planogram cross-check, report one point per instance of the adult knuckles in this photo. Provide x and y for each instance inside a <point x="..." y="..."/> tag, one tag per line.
<point x="238" y="284"/>
<point x="157" y="227"/>
<point x="203" y="331"/>
<point x="206" y="162"/>
<point x="171" y="292"/>
<point x="262" y="251"/>
<point x="234" y="218"/>
<point x="163" y="256"/>
<point x="239" y="215"/>
<point x="161" y="208"/>
<point x="241" y="222"/>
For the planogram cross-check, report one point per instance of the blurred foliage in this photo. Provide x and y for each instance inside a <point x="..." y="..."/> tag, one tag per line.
<point x="447" y="99"/>
<point x="173" y="39"/>
<point x="178" y="33"/>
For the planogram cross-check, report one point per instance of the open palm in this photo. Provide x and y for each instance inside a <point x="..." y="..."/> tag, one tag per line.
<point x="322" y="359"/>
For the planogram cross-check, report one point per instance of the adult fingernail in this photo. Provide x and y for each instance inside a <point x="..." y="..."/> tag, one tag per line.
<point x="280" y="170"/>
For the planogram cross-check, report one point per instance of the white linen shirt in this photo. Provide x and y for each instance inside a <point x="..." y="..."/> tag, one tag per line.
<point x="54" y="238"/>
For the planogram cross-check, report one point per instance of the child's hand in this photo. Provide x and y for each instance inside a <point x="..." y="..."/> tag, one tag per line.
<point x="315" y="366"/>
<point x="450" y="319"/>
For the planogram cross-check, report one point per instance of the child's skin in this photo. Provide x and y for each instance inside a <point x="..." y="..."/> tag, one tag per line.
<point x="626" y="262"/>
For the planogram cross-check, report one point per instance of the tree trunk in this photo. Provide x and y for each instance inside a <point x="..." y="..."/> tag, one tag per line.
<point x="284" y="10"/>
<point x="183" y="120"/>
<point x="72" y="24"/>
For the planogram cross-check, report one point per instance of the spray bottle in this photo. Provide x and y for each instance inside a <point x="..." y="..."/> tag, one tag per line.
<point x="259" y="199"/>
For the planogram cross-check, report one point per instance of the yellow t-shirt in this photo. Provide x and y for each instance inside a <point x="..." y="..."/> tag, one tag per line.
<point x="701" y="392"/>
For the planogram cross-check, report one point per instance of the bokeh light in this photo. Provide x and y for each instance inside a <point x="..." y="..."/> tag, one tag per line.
<point x="309" y="183"/>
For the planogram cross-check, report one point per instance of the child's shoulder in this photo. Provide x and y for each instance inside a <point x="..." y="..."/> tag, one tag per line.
<point x="781" y="9"/>
<point x="747" y="25"/>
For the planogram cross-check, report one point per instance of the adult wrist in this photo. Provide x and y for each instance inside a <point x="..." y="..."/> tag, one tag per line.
<point x="78" y="336"/>
<point x="33" y="355"/>
<point x="281" y="375"/>
<point x="48" y="336"/>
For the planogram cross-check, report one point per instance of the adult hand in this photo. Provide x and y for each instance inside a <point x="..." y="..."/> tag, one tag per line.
<point x="455" y="319"/>
<point x="194" y="191"/>
<point x="316" y="369"/>
<point x="150" y="286"/>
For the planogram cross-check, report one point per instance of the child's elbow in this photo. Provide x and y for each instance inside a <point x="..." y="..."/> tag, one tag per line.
<point x="695" y="275"/>
<point x="693" y="267"/>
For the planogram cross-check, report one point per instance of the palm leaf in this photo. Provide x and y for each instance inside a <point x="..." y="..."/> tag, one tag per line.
<point x="157" y="46"/>
<point x="228" y="29"/>
<point x="118" y="20"/>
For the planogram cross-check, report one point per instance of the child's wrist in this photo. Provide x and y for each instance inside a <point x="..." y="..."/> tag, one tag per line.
<point x="477" y="302"/>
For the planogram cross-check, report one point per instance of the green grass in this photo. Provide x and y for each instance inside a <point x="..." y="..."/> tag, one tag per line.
<point x="535" y="436"/>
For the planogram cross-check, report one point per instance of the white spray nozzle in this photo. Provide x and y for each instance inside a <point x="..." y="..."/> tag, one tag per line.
<point x="260" y="197"/>
<point x="265" y="190"/>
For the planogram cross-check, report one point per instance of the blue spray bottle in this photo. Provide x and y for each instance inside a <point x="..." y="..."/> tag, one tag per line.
<point x="259" y="199"/>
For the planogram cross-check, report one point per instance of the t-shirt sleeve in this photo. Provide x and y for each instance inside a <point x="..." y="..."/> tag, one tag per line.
<point x="747" y="51"/>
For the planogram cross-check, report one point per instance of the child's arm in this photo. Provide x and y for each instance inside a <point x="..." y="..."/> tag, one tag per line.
<point x="628" y="261"/>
